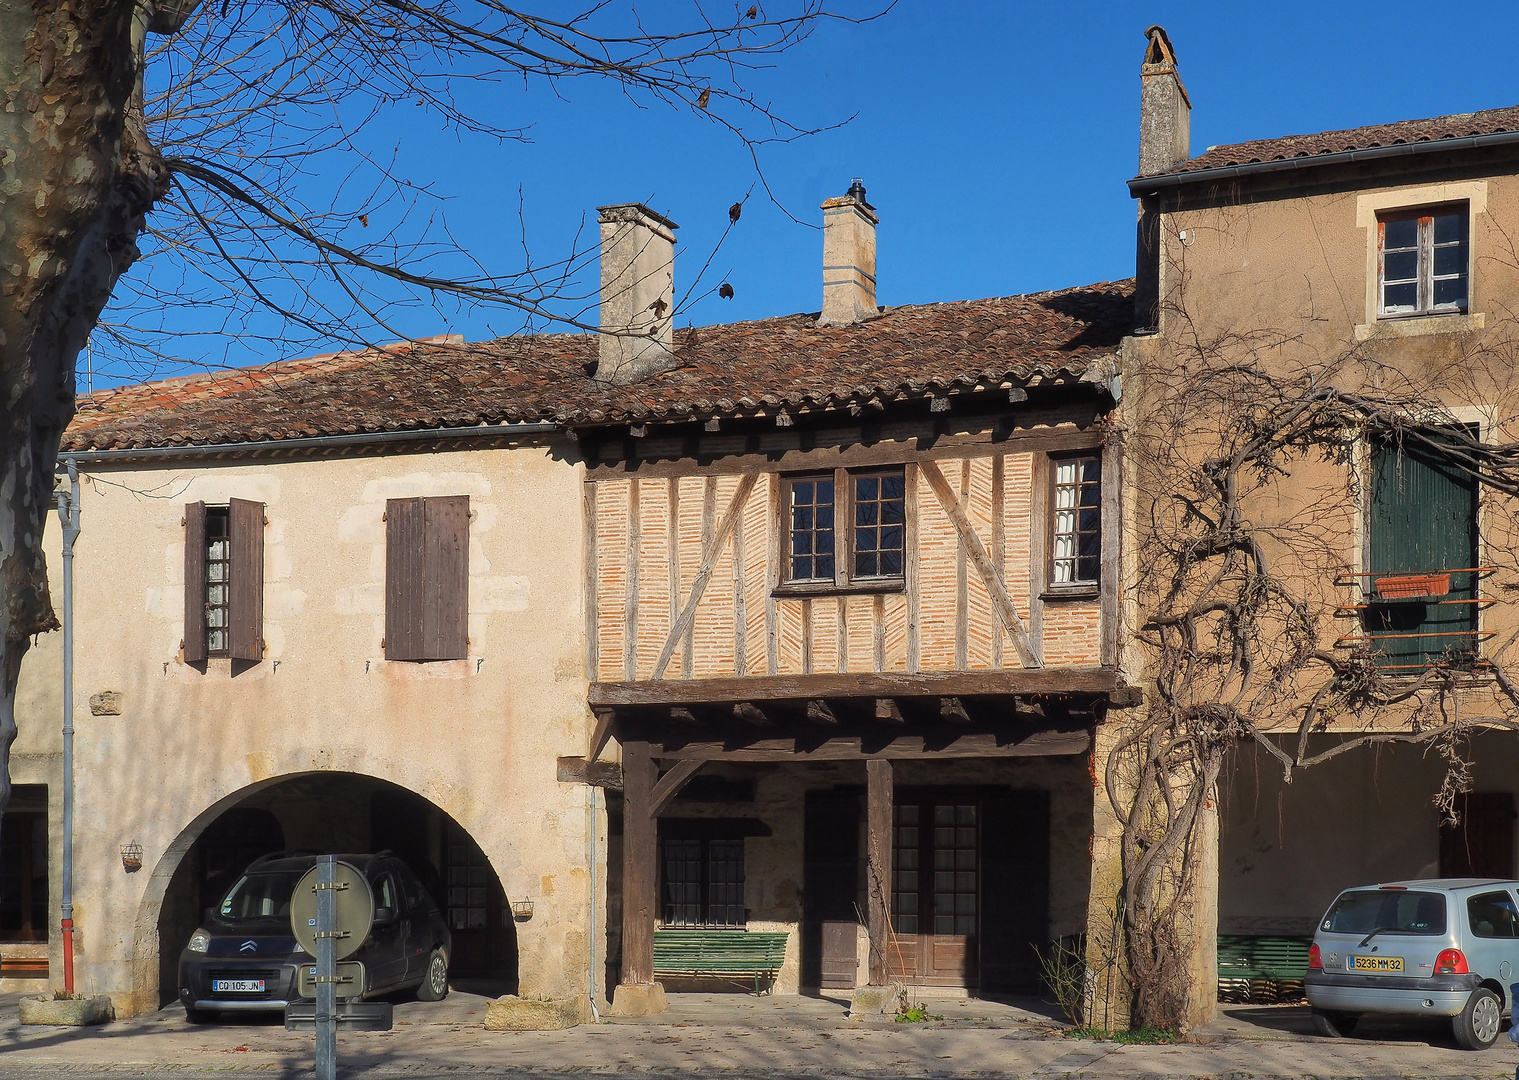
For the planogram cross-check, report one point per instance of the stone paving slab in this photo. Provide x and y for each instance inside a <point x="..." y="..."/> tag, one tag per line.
<point x="740" y="1037"/>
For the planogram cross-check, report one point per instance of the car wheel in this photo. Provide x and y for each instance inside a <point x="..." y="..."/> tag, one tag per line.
<point x="1479" y="1023"/>
<point x="435" y="983"/>
<point x="1334" y="1025"/>
<point x="197" y="1016"/>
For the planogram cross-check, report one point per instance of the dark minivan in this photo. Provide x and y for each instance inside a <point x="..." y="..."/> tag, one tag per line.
<point x="245" y="959"/>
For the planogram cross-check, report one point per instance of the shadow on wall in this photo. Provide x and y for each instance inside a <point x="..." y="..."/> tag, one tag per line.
<point x="348" y="812"/>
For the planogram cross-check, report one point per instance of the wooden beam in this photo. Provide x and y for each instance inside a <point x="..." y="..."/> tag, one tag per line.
<point x="630" y="602"/>
<point x="888" y="710"/>
<point x="640" y="858"/>
<point x="899" y="747"/>
<point x="759" y="688"/>
<point x="682" y="715"/>
<point x="878" y="834"/>
<point x="819" y="713"/>
<point x="983" y="563"/>
<point x="605" y="718"/>
<point x="953" y="710"/>
<point x="670" y="783"/>
<point x="751" y="713"/>
<point x="589" y="582"/>
<point x="711" y="549"/>
<point x="577" y="770"/>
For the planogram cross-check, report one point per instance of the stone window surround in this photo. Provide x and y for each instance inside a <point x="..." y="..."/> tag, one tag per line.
<point x="1368" y="207"/>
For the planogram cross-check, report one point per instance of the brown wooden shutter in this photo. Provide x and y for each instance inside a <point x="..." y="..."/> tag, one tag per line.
<point x="403" y="579"/>
<point x="195" y="582"/>
<point x="445" y="605"/>
<point x="427" y="578"/>
<point x="245" y="614"/>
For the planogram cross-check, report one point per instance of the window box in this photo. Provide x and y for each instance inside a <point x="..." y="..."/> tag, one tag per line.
<point x="1412" y="586"/>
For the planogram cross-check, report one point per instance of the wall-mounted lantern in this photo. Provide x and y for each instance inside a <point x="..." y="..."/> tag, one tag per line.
<point x="131" y="857"/>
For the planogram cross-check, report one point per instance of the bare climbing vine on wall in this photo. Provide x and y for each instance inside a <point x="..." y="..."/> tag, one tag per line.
<point x="1246" y="458"/>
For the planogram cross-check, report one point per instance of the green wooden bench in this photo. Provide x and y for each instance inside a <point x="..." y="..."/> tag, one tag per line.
<point x="719" y="953"/>
<point x="1245" y="961"/>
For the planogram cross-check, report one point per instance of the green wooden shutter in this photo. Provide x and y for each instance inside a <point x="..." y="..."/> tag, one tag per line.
<point x="1423" y="519"/>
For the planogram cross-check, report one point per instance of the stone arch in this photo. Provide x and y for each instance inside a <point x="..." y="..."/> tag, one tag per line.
<point x="147" y="967"/>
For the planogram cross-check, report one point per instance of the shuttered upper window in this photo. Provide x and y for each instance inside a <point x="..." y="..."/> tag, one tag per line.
<point x="224" y="581"/>
<point x="427" y="578"/>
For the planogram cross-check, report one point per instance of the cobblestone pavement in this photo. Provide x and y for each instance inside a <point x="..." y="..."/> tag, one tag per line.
<point x="739" y="1036"/>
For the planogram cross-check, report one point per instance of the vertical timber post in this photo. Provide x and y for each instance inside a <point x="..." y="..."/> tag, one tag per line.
<point x="637" y="993"/>
<point x="878" y="804"/>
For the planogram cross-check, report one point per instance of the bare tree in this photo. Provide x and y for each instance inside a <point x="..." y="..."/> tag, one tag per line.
<point x="1246" y="451"/>
<point x="240" y="127"/>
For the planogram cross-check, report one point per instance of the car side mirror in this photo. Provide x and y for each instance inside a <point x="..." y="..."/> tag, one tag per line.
<point x="384" y="916"/>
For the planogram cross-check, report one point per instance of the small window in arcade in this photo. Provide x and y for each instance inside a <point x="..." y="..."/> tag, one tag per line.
<point x="1423" y="264"/>
<point x="1076" y="522"/>
<point x="870" y="550"/>
<point x="703" y="881"/>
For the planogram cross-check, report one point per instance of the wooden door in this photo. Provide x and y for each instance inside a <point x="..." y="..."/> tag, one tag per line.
<point x="830" y="889"/>
<point x="1481" y="844"/>
<point x="936" y="871"/>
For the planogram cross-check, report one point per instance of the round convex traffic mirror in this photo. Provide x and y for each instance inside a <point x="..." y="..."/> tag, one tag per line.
<point x="354" y="914"/>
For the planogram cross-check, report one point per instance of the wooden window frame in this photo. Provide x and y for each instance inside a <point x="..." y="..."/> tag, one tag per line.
<point x="704" y="884"/>
<point x="245" y="582"/>
<point x="1084" y="588"/>
<point x="1424" y="246"/>
<point x="844" y="578"/>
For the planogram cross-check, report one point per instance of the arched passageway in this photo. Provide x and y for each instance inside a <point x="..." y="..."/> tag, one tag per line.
<point x="348" y="812"/>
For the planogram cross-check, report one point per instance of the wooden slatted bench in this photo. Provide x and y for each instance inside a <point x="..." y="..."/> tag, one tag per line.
<point x="1278" y="962"/>
<point x="719" y="953"/>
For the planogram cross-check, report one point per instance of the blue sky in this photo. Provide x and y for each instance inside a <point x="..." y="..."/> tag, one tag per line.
<point x="994" y="139"/>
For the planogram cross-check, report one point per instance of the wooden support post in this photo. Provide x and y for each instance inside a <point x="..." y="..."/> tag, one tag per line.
<point x="639" y="863"/>
<point x="878" y="804"/>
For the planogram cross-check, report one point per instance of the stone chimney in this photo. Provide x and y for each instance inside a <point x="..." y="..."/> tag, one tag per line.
<point x="637" y="293"/>
<point x="849" y="259"/>
<point x="1165" y="111"/>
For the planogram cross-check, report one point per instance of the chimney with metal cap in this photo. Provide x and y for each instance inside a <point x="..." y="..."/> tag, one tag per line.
<point x="1165" y="110"/>
<point x="637" y="293"/>
<point x="849" y="259"/>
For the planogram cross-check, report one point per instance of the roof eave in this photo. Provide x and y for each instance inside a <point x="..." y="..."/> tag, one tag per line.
<point x="1140" y="186"/>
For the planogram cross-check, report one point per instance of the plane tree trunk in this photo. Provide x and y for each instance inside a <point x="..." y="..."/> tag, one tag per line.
<point x="77" y="176"/>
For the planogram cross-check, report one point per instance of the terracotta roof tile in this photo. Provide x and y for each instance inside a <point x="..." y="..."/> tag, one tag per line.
<point x="1486" y="122"/>
<point x="736" y="368"/>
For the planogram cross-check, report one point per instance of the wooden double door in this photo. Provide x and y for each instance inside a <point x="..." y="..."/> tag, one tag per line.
<point x="969" y="885"/>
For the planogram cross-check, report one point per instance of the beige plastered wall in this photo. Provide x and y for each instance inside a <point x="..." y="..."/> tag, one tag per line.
<point x="477" y="737"/>
<point x="774" y="871"/>
<point x="37" y="754"/>
<point x="1297" y="275"/>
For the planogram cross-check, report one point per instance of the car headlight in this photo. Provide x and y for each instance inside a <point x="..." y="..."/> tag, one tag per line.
<point x="200" y="941"/>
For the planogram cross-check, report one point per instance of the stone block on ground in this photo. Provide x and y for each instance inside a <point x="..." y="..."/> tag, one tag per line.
<point x="68" y="1012"/>
<point x="876" y="1001"/>
<point x="638" y="999"/>
<point x="511" y="1013"/>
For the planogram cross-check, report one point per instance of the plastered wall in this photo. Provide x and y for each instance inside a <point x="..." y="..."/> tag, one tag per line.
<point x="478" y="737"/>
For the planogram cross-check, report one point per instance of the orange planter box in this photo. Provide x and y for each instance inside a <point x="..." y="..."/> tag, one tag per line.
<point x="1412" y="586"/>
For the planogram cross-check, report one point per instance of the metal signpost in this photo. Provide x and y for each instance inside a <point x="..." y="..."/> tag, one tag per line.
<point x="331" y="912"/>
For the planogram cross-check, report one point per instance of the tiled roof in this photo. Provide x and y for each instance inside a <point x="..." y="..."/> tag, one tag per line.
<point x="732" y="369"/>
<point x="1486" y="122"/>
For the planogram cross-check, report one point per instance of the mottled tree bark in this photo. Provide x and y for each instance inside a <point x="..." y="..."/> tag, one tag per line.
<point x="77" y="176"/>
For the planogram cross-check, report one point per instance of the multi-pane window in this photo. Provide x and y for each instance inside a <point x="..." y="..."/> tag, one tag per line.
<point x="935" y="874"/>
<point x="1076" y="528"/>
<point x="878" y="524"/>
<point x="218" y="579"/>
<point x="469" y="881"/>
<point x="703" y="882"/>
<point x="812" y="528"/>
<point x="1424" y="261"/>
<point x="872" y="545"/>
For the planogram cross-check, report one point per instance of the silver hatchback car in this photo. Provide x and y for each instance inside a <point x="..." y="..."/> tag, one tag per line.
<point x="1446" y="947"/>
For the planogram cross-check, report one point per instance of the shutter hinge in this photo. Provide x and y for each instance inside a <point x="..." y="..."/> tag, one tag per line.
<point x="385" y="515"/>
<point x="382" y="643"/>
<point x="182" y="522"/>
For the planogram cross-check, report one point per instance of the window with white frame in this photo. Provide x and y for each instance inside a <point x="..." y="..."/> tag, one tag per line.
<point x="1424" y="261"/>
<point x="1076" y="522"/>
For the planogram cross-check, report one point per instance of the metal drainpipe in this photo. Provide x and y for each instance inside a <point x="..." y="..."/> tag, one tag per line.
<point x="68" y="517"/>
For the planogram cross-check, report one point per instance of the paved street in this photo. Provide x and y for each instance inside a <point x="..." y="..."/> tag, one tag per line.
<point x="741" y="1036"/>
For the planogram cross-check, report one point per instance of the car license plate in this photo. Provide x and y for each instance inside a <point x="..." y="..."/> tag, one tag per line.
<point x="237" y="986"/>
<point x="1376" y="963"/>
